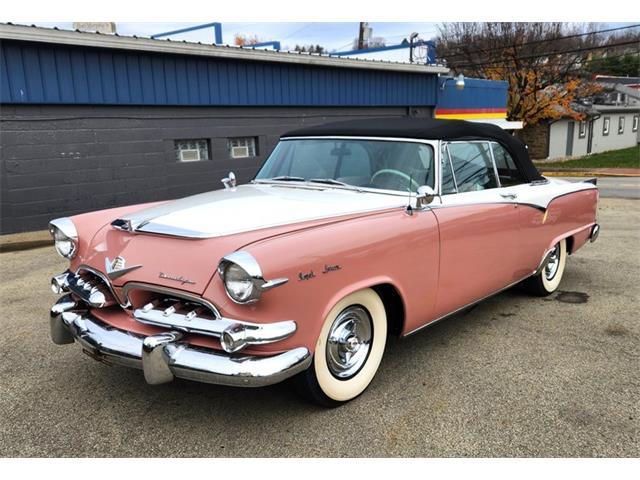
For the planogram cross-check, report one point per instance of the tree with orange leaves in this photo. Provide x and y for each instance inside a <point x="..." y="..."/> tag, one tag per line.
<point x="544" y="63"/>
<point x="242" y="40"/>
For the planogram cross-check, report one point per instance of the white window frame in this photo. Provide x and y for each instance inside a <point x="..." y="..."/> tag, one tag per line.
<point x="237" y="143"/>
<point x="606" y="126"/>
<point x="634" y="123"/>
<point x="582" y="129"/>
<point x="178" y="145"/>
<point x="621" y="121"/>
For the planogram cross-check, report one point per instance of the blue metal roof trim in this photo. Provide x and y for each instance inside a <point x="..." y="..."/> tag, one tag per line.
<point x="383" y="49"/>
<point x="59" y="74"/>
<point x="431" y="50"/>
<point x="477" y="93"/>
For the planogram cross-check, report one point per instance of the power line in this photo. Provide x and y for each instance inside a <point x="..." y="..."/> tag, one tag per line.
<point x="533" y="42"/>
<point x="306" y="25"/>
<point x="549" y="54"/>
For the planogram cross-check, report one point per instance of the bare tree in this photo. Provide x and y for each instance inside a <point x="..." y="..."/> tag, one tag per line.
<point x="544" y="63"/>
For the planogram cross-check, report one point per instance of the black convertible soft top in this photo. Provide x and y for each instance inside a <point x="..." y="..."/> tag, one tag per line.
<point x="426" y="128"/>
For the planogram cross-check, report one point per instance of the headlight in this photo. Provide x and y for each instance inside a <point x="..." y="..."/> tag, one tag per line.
<point x="65" y="236"/>
<point x="238" y="283"/>
<point x="242" y="277"/>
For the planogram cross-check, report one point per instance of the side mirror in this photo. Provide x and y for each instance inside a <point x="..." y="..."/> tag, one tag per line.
<point x="230" y="181"/>
<point x="424" y="196"/>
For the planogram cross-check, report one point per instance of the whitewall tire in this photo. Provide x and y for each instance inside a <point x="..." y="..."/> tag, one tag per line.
<point x="548" y="280"/>
<point x="348" y="351"/>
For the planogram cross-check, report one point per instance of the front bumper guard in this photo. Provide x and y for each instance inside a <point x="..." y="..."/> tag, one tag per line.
<point x="164" y="356"/>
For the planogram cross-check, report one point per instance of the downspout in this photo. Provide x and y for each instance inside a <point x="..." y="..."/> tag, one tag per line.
<point x="591" y="125"/>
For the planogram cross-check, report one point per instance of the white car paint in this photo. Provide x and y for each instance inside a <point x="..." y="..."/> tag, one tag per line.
<point x="255" y="206"/>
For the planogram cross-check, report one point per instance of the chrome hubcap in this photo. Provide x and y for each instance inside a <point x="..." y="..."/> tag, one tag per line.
<point x="349" y="342"/>
<point x="554" y="261"/>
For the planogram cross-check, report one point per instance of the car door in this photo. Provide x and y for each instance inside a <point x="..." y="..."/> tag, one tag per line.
<point x="478" y="224"/>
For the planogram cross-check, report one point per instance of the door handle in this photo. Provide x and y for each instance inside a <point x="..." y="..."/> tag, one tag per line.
<point x="510" y="196"/>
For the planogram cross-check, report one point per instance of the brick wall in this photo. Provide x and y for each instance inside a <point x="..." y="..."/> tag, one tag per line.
<point x="537" y="139"/>
<point x="63" y="160"/>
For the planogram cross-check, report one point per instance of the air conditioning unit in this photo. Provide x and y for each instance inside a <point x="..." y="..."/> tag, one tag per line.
<point x="189" y="155"/>
<point x="239" y="152"/>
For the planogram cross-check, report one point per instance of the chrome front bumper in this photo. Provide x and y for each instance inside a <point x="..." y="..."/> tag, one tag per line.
<point x="164" y="356"/>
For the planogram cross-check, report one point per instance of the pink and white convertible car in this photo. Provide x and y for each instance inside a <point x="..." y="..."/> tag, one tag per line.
<point x="350" y="232"/>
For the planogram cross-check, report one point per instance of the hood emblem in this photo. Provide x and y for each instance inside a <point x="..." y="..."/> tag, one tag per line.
<point x="175" y="278"/>
<point x="117" y="267"/>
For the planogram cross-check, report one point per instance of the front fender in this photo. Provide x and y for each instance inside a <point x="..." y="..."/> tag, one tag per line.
<point x="327" y="263"/>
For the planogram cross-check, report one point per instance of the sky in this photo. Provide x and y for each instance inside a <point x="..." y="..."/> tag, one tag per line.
<point x="331" y="35"/>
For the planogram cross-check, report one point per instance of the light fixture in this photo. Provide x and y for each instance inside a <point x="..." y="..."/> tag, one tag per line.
<point x="459" y="82"/>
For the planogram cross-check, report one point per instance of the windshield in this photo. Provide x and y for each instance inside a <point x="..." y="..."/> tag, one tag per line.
<point x="378" y="164"/>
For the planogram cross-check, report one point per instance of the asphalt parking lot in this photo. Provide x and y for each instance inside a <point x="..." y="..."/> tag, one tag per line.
<point x="515" y="376"/>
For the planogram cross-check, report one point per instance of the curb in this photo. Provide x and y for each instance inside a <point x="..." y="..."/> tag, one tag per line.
<point x="25" y="241"/>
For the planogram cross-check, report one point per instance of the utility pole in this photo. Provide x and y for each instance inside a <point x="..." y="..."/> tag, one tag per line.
<point x="361" y="35"/>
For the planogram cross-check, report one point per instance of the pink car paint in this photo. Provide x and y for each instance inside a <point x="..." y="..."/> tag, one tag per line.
<point x="438" y="260"/>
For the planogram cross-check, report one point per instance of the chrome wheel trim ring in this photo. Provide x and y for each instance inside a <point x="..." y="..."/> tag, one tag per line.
<point x="349" y="342"/>
<point x="554" y="262"/>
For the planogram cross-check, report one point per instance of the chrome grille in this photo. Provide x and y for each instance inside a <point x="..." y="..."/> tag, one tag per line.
<point x="182" y="314"/>
<point x="91" y="288"/>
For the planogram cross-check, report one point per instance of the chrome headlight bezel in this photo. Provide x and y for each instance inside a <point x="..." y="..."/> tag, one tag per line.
<point x="244" y="263"/>
<point x="63" y="231"/>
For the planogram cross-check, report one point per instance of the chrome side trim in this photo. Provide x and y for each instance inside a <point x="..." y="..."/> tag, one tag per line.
<point x="163" y="357"/>
<point x="463" y="307"/>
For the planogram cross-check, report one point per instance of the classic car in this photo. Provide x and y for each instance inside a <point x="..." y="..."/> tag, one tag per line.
<point x="350" y="232"/>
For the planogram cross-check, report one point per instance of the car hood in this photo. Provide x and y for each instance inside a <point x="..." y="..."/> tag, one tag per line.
<point x="252" y="207"/>
<point x="179" y="244"/>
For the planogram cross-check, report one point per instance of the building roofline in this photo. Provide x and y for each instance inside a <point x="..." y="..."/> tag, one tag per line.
<point x="397" y="46"/>
<point x="97" y="40"/>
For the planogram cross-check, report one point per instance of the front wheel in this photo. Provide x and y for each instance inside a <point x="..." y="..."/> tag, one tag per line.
<point x="348" y="351"/>
<point x="547" y="281"/>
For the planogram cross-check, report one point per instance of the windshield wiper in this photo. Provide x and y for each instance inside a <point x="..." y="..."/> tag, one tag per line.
<point x="332" y="181"/>
<point x="286" y="178"/>
<point x="281" y="178"/>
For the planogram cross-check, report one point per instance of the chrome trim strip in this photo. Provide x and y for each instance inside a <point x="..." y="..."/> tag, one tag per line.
<point x="463" y="307"/>
<point x="166" y="357"/>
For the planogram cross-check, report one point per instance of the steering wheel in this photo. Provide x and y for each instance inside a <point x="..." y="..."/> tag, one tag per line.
<point x="413" y="184"/>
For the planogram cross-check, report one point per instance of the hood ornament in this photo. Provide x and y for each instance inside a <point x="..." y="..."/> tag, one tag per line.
<point x="117" y="267"/>
<point x="230" y="181"/>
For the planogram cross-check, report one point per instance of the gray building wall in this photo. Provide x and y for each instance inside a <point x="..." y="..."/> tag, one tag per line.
<point x="558" y="134"/>
<point x="64" y="160"/>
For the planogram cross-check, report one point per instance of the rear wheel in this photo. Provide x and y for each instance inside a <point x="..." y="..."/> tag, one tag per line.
<point x="547" y="281"/>
<point x="348" y="351"/>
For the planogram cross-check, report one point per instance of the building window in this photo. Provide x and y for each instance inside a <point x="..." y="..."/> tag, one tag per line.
<point x="606" y="122"/>
<point x="634" y="124"/>
<point x="582" y="129"/>
<point x="242" y="147"/>
<point x="192" y="150"/>
<point x="620" y="125"/>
